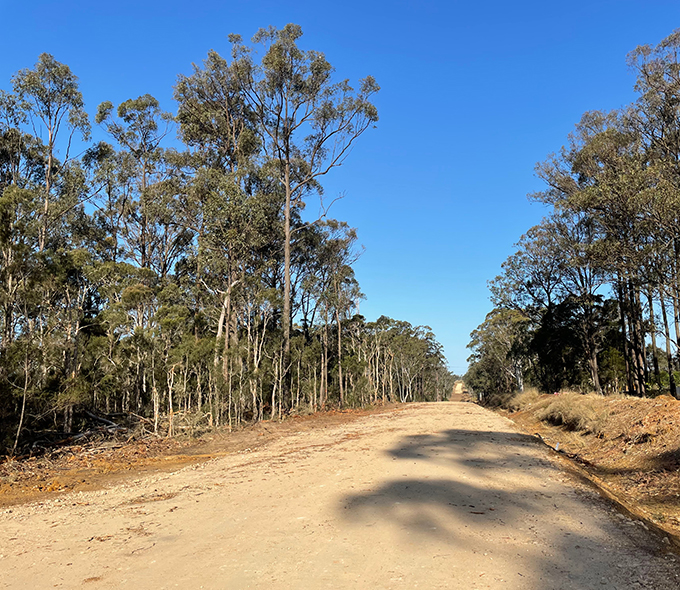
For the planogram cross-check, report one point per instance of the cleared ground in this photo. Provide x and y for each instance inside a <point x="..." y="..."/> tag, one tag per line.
<point x="443" y="495"/>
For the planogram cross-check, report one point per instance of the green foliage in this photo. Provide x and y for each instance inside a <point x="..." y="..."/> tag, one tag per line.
<point x="498" y="359"/>
<point x="597" y="280"/>
<point x="50" y="93"/>
<point x="149" y="282"/>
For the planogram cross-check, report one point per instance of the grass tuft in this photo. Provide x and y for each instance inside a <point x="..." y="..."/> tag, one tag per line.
<point x="520" y="401"/>
<point x="581" y="413"/>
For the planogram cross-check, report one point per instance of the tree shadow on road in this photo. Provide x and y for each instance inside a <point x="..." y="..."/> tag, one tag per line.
<point x="496" y="493"/>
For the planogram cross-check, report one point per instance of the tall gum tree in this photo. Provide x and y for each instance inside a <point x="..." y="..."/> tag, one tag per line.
<point x="51" y="97"/>
<point x="306" y="122"/>
<point x="217" y="125"/>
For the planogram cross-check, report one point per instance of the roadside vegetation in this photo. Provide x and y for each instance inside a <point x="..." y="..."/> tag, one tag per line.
<point x="590" y="300"/>
<point x="165" y="279"/>
<point x="575" y="412"/>
<point x="581" y="346"/>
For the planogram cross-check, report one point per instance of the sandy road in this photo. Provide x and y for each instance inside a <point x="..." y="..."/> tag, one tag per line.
<point x="431" y="496"/>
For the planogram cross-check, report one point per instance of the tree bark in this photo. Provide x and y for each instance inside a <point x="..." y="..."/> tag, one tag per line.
<point x="342" y="392"/>
<point x="652" y="331"/>
<point x="669" y="354"/>
<point x="626" y="347"/>
<point x="286" y="320"/>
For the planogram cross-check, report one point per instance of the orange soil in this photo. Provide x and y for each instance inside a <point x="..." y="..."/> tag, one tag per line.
<point x="100" y="464"/>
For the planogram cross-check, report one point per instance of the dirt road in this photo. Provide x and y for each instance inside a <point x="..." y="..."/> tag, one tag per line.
<point x="430" y="496"/>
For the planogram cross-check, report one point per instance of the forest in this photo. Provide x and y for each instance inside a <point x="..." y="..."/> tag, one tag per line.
<point x="169" y="274"/>
<point x="590" y="299"/>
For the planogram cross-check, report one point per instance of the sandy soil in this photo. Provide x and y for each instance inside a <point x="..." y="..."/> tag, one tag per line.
<point x="444" y="495"/>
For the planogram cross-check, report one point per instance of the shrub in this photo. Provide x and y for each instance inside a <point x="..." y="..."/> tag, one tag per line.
<point x="496" y="400"/>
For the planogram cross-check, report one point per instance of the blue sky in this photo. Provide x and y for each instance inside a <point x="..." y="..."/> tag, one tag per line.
<point x="473" y="95"/>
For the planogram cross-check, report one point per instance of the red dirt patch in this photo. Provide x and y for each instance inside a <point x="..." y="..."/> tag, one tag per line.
<point x="98" y="465"/>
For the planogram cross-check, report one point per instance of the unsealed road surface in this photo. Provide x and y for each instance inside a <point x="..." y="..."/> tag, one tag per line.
<point x="443" y="495"/>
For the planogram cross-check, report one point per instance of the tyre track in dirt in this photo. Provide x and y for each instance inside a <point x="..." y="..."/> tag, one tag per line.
<point x="445" y="495"/>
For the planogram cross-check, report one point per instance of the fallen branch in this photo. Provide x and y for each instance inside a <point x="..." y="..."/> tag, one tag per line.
<point x="141" y="418"/>
<point x="99" y="418"/>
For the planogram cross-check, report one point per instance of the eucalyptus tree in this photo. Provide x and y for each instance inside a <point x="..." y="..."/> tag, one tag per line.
<point x="498" y="360"/>
<point x="603" y="179"/>
<point x="656" y="114"/>
<point x="614" y="191"/>
<point x="151" y="238"/>
<point x="107" y="171"/>
<point x="306" y="123"/>
<point x="656" y="118"/>
<point x="531" y="279"/>
<point x="46" y="209"/>
<point x="22" y="168"/>
<point x="50" y="95"/>
<point x="581" y="277"/>
<point x="215" y="119"/>
<point x="341" y="292"/>
<point x="21" y="174"/>
<point x="145" y="280"/>
<point x="227" y="203"/>
<point x="141" y="202"/>
<point x="621" y="201"/>
<point x="325" y="288"/>
<point x="553" y="281"/>
<point x="12" y="139"/>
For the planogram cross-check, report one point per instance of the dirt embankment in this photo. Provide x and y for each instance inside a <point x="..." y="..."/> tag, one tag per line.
<point x="629" y="447"/>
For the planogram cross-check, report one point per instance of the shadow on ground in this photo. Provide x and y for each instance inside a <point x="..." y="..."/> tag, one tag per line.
<point x="494" y="494"/>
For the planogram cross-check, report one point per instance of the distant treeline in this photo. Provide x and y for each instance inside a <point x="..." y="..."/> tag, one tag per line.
<point x="181" y="285"/>
<point x="591" y="298"/>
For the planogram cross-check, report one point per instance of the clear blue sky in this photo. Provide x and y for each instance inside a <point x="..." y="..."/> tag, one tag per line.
<point x="473" y="95"/>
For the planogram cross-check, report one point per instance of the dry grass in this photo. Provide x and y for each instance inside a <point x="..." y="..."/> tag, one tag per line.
<point x="515" y="401"/>
<point x="582" y="413"/>
<point x="520" y="401"/>
<point x="574" y="411"/>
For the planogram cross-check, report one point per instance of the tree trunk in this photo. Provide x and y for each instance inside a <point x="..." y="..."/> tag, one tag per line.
<point x="342" y="391"/>
<point x="626" y="347"/>
<point x="42" y="239"/>
<point x="154" y="393"/>
<point x="640" y="328"/>
<point x="669" y="354"/>
<point x="220" y="324"/>
<point x="227" y="335"/>
<point x="286" y="281"/>
<point x="676" y="318"/>
<point x="171" y="385"/>
<point x="23" y="402"/>
<point x="594" y="372"/>
<point x="324" y="367"/>
<point x="652" y="331"/>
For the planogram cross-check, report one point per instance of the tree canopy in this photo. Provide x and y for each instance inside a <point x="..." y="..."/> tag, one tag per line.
<point x="595" y="286"/>
<point x="593" y="290"/>
<point x="167" y="273"/>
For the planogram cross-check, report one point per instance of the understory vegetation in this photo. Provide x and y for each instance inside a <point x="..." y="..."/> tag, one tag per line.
<point x="167" y="274"/>
<point x="590" y="300"/>
<point x="574" y="411"/>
